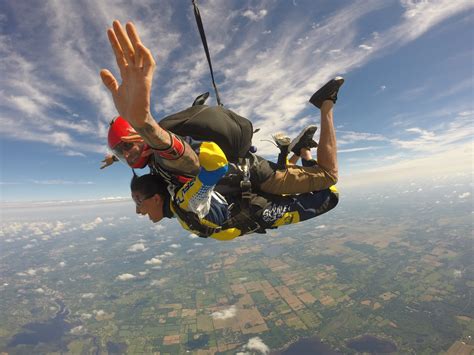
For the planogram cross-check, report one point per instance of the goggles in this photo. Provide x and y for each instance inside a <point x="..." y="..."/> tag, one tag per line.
<point x="131" y="154"/>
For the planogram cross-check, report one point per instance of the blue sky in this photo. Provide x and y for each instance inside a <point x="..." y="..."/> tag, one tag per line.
<point x="405" y="113"/>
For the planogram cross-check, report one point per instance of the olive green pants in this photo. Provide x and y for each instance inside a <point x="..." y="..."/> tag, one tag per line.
<point x="297" y="179"/>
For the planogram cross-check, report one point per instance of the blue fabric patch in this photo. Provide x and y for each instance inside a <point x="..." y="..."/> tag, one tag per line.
<point x="211" y="178"/>
<point x="218" y="213"/>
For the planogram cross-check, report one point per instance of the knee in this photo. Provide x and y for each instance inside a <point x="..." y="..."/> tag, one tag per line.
<point x="333" y="177"/>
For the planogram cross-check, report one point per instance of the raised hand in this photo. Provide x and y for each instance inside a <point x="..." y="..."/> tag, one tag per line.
<point x="109" y="159"/>
<point x="136" y="65"/>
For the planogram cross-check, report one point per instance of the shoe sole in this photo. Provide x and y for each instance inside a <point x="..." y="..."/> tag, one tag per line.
<point x="298" y="137"/>
<point x="326" y="91"/>
<point x="281" y="139"/>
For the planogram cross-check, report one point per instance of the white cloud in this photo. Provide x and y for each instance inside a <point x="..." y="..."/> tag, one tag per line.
<point x="32" y="95"/>
<point x="88" y="295"/>
<point x="225" y="314"/>
<point x="366" y="47"/>
<point x="158" y="227"/>
<point x="137" y="247"/>
<point x="99" y="313"/>
<point x="100" y="239"/>
<point x="175" y="246"/>
<point x="31" y="272"/>
<point x="126" y="277"/>
<point x="61" y="182"/>
<point x="464" y="195"/>
<point x="92" y="225"/>
<point x="160" y="282"/>
<point x="349" y="137"/>
<point x="451" y="133"/>
<point x="255" y="15"/>
<point x="78" y="330"/>
<point x="256" y="344"/>
<point x="193" y="236"/>
<point x="39" y="290"/>
<point x="352" y="150"/>
<point x="154" y="261"/>
<point x="459" y="158"/>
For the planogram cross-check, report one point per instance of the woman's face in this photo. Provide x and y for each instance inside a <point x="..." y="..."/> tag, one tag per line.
<point x="151" y="206"/>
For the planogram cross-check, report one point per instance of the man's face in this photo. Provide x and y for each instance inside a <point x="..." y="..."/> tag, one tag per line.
<point x="131" y="152"/>
<point x="151" y="206"/>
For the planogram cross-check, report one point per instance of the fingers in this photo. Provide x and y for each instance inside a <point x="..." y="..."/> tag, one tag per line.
<point x="136" y="138"/>
<point x="106" y="163"/>
<point x="109" y="81"/>
<point x="117" y="48"/>
<point x="128" y="48"/>
<point x="124" y="42"/>
<point x="149" y="63"/>
<point x="135" y="41"/>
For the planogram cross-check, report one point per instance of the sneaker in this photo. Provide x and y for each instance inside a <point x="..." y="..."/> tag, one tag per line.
<point x="281" y="140"/>
<point x="201" y="99"/>
<point x="304" y="140"/>
<point x="327" y="92"/>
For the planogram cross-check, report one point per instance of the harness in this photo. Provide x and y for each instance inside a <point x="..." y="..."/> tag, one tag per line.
<point x="244" y="214"/>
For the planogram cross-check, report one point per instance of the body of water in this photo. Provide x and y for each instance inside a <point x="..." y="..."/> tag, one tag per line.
<point x="47" y="332"/>
<point x="308" y="346"/>
<point x="372" y="345"/>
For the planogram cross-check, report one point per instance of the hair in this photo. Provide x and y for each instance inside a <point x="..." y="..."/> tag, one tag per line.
<point x="148" y="185"/>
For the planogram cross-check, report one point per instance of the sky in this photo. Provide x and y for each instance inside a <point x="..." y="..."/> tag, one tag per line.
<point x="404" y="114"/>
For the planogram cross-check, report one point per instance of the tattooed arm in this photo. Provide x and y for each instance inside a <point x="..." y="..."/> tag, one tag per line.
<point x="178" y="154"/>
<point x="132" y="96"/>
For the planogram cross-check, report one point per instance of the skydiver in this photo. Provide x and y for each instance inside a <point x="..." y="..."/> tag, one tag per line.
<point x="140" y="140"/>
<point x="206" y="213"/>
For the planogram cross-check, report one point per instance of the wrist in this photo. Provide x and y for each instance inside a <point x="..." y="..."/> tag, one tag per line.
<point x="174" y="151"/>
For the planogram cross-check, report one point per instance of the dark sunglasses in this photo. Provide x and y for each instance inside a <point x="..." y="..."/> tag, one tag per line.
<point x="123" y="147"/>
<point x="146" y="197"/>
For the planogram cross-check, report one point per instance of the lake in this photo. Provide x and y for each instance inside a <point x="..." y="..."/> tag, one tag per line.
<point x="372" y="345"/>
<point x="307" y="346"/>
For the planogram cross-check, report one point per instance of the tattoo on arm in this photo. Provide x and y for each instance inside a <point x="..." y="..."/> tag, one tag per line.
<point x="154" y="135"/>
<point x="188" y="163"/>
<point x="160" y="139"/>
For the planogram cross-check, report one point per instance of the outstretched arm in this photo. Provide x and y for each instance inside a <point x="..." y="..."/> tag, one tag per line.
<point x="132" y="96"/>
<point x="109" y="159"/>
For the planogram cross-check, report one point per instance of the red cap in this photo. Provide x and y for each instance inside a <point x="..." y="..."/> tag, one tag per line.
<point x="119" y="128"/>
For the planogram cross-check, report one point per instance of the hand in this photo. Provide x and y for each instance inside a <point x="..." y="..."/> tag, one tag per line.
<point x="133" y="137"/>
<point x="136" y="65"/>
<point x="108" y="160"/>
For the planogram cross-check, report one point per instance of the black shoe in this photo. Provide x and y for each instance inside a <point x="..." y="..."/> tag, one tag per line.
<point x="304" y="140"/>
<point x="201" y="99"/>
<point x="327" y="92"/>
<point x="282" y="141"/>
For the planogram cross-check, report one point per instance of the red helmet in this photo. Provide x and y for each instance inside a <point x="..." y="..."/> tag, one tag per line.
<point x="131" y="154"/>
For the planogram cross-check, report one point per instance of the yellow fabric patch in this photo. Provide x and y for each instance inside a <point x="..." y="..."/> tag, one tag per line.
<point x="227" y="234"/>
<point x="189" y="189"/>
<point x="211" y="156"/>
<point x="287" y="218"/>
